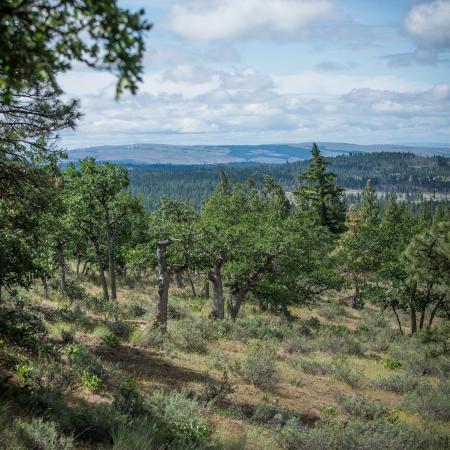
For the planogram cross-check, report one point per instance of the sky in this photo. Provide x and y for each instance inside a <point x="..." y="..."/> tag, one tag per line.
<point x="277" y="71"/>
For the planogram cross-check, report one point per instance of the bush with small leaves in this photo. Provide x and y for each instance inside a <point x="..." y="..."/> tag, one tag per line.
<point x="362" y="407"/>
<point x="402" y="383"/>
<point x="332" y="312"/>
<point x="377" y="434"/>
<point x="300" y="344"/>
<point x="216" y="390"/>
<point x="149" y="337"/>
<point x="182" y="415"/>
<point x="121" y="329"/>
<point x="39" y="434"/>
<point x="342" y="371"/>
<point x="111" y="340"/>
<point x="259" y="367"/>
<point x="82" y="360"/>
<point x="312" y="367"/>
<point x="127" y="399"/>
<point x="431" y="403"/>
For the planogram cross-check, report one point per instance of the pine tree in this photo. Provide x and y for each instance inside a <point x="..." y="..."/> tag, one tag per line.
<point x="318" y="193"/>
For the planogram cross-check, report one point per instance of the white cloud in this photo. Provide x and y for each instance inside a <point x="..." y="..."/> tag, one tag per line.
<point x="222" y="20"/>
<point x="246" y="106"/>
<point x="429" y="23"/>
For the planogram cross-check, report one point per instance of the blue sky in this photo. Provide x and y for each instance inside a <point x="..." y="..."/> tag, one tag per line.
<point x="260" y="71"/>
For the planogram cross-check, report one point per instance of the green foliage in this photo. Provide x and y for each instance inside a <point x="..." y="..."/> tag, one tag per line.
<point x="259" y="367"/>
<point x="432" y="403"/>
<point x="317" y="193"/>
<point x="378" y="434"/>
<point x="91" y="381"/>
<point x="111" y="340"/>
<point x="360" y="406"/>
<point x="343" y="371"/>
<point x="402" y="383"/>
<point x="39" y="434"/>
<point x="181" y="414"/>
<point x="391" y="363"/>
<point x="313" y="367"/>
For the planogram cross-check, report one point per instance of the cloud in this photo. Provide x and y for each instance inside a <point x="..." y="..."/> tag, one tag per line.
<point x="225" y="20"/>
<point x="428" y="24"/>
<point x="248" y="106"/>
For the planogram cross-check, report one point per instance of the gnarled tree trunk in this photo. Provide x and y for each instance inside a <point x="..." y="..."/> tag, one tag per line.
<point x="111" y="256"/>
<point x="61" y="268"/>
<point x="205" y="289"/>
<point x="163" y="285"/>
<point x="413" y="320"/>
<point x="101" y="269"/>
<point x="215" y="276"/>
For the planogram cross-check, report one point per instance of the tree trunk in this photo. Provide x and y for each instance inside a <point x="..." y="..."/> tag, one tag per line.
<point x="163" y="285"/>
<point x="413" y="320"/>
<point x="235" y="304"/>
<point x="111" y="256"/>
<point x="45" y="285"/>
<point x="205" y="289"/>
<point x="84" y="269"/>
<point x="355" y="297"/>
<point x="435" y="310"/>
<point x="62" y="269"/>
<point x="238" y="294"/>
<point x="215" y="276"/>
<point x="422" y="318"/>
<point x="78" y="264"/>
<point x="194" y="293"/>
<point x="101" y="269"/>
<point x="178" y="278"/>
<point x="398" y="320"/>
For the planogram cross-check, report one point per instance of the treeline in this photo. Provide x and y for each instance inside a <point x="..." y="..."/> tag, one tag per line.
<point x="404" y="173"/>
<point x="246" y="242"/>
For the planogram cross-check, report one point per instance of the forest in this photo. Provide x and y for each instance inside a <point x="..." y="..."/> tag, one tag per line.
<point x="241" y="307"/>
<point x="412" y="176"/>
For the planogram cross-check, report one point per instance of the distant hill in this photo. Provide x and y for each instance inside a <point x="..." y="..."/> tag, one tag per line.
<point x="223" y="154"/>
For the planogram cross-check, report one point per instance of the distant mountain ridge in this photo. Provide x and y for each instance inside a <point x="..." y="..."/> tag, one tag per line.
<point x="223" y="154"/>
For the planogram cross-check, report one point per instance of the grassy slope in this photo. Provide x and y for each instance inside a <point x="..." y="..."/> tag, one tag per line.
<point x="173" y="364"/>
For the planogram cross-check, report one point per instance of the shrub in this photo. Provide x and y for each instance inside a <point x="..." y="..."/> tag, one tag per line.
<point x="127" y="399"/>
<point x="312" y="367"/>
<point x="432" y="403"/>
<point x="82" y="360"/>
<point x="121" y="329"/>
<point x="63" y="331"/>
<point x="111" y="340"/>
<point x="332" y="312"/>
<point x="340" y="340"/>
<point x="182" y="415"/>
<point x="148" y="337"/>
<point x="214" y="390"/>
<point x="391" y="363"/>
<point x="378" y="434"/>
<point x="299" y="344"/>
<point x="363" y="407"/>
<point x="401" y="383"/>
<point x="191" y="335"/>
<point x="343" y="372"/>
<point x="91" y="381"/>
<point x="259" y="367"/>
<point x="260" y="327"/>
<point x="138" y="434"/>
<point x="38" y="434"/>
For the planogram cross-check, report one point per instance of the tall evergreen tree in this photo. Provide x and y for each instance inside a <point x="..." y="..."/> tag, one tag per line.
<point x="318" y="193"/>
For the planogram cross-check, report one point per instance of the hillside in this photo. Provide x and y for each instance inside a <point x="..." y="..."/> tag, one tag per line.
<point x="403" y="173"/>
<point x="223" y="154"/>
